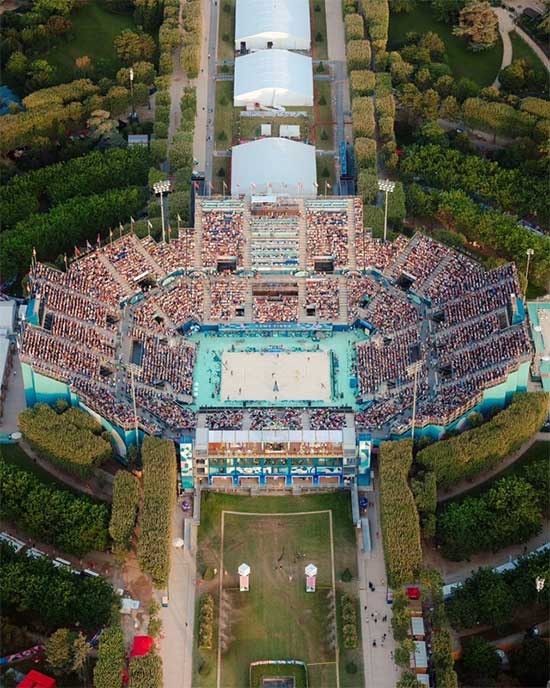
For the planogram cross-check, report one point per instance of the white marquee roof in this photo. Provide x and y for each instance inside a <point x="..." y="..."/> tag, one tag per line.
<point x="273" y="165"/>
<point x="274" y="77"/>
<point x="273" y="19"/>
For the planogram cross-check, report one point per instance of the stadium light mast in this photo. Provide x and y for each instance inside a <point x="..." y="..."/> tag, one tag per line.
<point x="530" y="253"/>
<point x="134" y="406"/>
<point x="414" y="368"/>
<point x="131" y="74"/>
<point x="387" y="186"/>
<point x="161" y="188"/>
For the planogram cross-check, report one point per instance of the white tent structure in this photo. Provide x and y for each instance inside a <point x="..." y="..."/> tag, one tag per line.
<point x="273" y="166"/>
<point x="262" y="24"/>
<point x="273" y="78"/>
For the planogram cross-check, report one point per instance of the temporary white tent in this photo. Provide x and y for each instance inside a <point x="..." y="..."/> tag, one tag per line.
<point x="261" y="24"/>
<point x="273" y="78"/>
<point x="273" y="165"/>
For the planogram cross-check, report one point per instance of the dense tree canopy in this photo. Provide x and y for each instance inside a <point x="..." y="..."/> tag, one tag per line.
<point x="74" y="524"/>
<point x="111" y="658"/>
<point x="52" y="597"/>
<point x="482" y="448"/>
<point x="72" y="439"/>
<point x="124" y="510"/>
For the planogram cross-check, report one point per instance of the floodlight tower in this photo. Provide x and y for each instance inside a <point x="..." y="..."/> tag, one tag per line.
<point x="387" y="186"/>
<point x="160" y="189"/>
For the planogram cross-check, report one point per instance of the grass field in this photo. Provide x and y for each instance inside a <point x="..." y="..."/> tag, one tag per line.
<point x="226" y="116"/>
<point x="522" y="51"/>
<point x="93" y="33"/>
<point x="482" y="67"/>
<point x="277" y="619"/>
<point x="325" y="163"/>
<point x="323" y="115"/>
<point x="226" y="30"/>
<point x="260" y="672"/>
<point x="319" y="49"/>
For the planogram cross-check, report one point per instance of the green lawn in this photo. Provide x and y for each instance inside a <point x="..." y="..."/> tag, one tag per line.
<point x="219" y="164"/>
<point x="522" y="51"/>
<point x="226" y="30"/>
<point x="325" y="163"/>
<point x="319" y="48"/>
<point x="93" y="33"/>
<point x="277" y="619"/>
<point x="482" y="67"/>
<point x="323" y="115"/>
<point x="225" y="116"/>
<point x="261" y="672"/>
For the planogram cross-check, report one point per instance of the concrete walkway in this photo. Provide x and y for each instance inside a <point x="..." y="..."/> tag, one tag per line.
<point x="465" y="485"/>
<point x="176" y="644"/>
<point x="14" y="402"/>
<point x="378" y="665"/>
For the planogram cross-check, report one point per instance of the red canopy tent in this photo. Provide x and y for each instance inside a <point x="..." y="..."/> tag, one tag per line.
<point x="142" y="645"/>
<point x="34" y="679"/>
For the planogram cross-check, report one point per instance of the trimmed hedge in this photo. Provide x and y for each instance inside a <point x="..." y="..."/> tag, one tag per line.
<point x="206" y="621"/>
<point x="111" y="659"/>
<point x="75" y="524"/>
<point x="399" y="517"/>
<point x="365" y="154"/>
<point x="159" y="498"/>
<point x="362" y="115"/>
<point x="358" y="54"/>
<point x="362" y="82"/>
<point x="377" y="20"/>
<point x="354" y="26"/>
<point x="73" y="440"/>
<point x="349" y="622"/>
<point x="124" y="510"/>
<point x="146" y="671"/>
<point x="367" y="186"/>
<point x="482" y="448"/>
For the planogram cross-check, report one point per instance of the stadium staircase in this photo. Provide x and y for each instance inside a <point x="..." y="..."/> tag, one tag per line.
<point x="247" y="253"/>
<point x="343" y="298"/>
<point x="248" y="310"/>
<point x="302" y="241"/>
<point x="115" y="274"/>
<point x="207" y="301"/>
<point x="301" y="300"/>
<point x="305" y="420"/>
<point x="155" y="267"/>
<point x="198" y="236"/>
<point x="352" y="259"/>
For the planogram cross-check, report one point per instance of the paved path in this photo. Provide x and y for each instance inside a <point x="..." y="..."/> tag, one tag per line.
<point x="176" y="646"/>
<point x="378" y="665"/>
<point x="177" y="83"/>
<point x="14" y="402"/>
<point x="457" y="571"/>
<point x="465" y="485"/>
<point x="210" y="48"/>
<point x="505" y="26"/>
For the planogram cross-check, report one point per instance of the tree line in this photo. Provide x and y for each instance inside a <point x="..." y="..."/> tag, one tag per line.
<point x="126" y="496"/>
<point x="159" y="497"/>
<point x="492" y="598"/>
<point x="94" y="173"/>
<point x="399" y="517"/>
<point x="509" y="512"/>
<point x="482" y="448"/>
<point x="484" y="180"/>
<point x="73" y="440"/>
<point x="52" y="597"/>
<point x="74" y="524"/>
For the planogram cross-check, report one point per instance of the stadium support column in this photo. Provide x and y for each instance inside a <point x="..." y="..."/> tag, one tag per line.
<point x="414" y="368"/>
<point x="387" y="186"/>
<point x="530" y="253"/>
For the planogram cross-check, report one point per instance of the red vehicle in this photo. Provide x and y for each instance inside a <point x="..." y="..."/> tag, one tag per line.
<point x="413" y="593"/>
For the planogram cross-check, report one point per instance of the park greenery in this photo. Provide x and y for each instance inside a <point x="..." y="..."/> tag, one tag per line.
<point x="72" y="440"/>
<point x="206" y="621"/>
<point x="492" y="598"/>
<point x="509" y="512"/>
<point x="159" y="497"/>
<point x="74" y="524"/>
<point x="35" y="590"/>
<point x="348" y="605"/>
<point x="481" y="448"/>
<point x="484" y="180"/>
<point x="94" y="173"/>
<point x="67" y="652"/>
<point x="124" y="509"/>
<point x="111" y="658"/>
<point x="146" y="671"/>
<point x="399" y="517"/>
